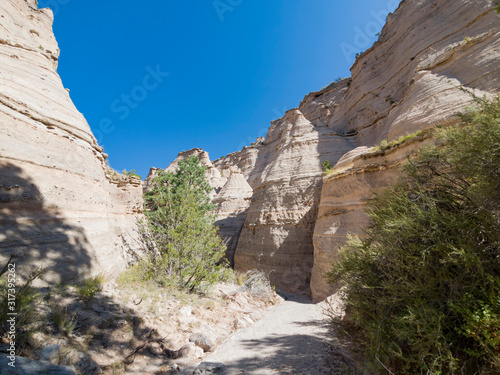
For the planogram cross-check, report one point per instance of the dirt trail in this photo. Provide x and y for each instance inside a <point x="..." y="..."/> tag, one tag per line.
<point x="292" y="338"/>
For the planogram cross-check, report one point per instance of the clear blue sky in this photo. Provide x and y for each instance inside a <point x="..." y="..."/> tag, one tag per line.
<point x="233" y="66"/>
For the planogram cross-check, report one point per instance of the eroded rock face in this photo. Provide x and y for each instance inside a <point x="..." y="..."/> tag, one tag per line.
<point x="345" y="194"/>
<point x="232" y="204"/>
<point x="408" y="81"/>
<point x="277" y="234"/>
<point x="57" y="207"/>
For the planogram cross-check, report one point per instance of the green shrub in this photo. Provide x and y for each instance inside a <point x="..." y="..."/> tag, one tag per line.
<point x="183" y="248"/>
<point x="326" y="166"/>
<point x="64" y="321"/>
<point x="131" y="173"/>
<point x="424" y="284"/>
<point x="27" y="319"/>
<point x="385" y="145"/>
<point x="257" y="284"/>
<point x="89" y="287"/>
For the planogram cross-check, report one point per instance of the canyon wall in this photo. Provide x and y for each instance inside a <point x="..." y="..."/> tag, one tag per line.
<point x="409" y="80"/>
<point x="60" y="205"/>
<point x="413" y="78"/>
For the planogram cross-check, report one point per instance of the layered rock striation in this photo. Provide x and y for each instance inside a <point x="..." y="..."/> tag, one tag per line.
<point x="412" y="79"/>
<point x="232" y="204"/>
<point x="58" y="206"/>
<point x="418" y="75"/>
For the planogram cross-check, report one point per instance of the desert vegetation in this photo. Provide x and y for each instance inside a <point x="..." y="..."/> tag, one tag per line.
<point x="422" y="288"/>
<point x="181" y="244"/>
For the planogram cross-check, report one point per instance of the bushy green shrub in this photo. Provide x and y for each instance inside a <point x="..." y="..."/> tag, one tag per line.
<point x="182" y="244"/>
<point x="131" y="173"/>
<point x="90" y="286"/>
<point x="424" y="284"/>
<point x="326" y="166"/>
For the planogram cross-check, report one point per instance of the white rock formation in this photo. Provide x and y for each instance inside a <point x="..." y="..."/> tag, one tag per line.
<point x="57" y="207"/>
<point x="408" y="81"/>
<point x="232" y="203"/>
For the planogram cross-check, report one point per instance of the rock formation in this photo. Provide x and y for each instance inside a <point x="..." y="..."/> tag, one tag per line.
<point x="411" y="79"/>
<point x="276" y="211"/>
<point x="58" y="206"/>
<point x="408" y="81"/>
<point x="232" y="204"/>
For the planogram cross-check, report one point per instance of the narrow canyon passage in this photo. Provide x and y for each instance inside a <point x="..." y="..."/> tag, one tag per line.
<point x="292" y="338"/>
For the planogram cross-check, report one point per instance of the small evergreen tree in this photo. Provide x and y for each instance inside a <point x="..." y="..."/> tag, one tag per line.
<point x="424" y="284"/>
<point x="183" y="247"/>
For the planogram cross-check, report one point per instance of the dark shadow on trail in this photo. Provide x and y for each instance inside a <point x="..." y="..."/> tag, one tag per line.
<point x="295" y="354"/>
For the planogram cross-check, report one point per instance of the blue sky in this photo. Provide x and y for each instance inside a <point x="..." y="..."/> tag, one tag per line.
<point x="157" y="77"/>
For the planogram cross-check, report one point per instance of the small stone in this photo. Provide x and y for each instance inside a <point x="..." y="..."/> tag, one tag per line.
<point x="186" y="311"/>
<point x="190" y="350"/>
<point x="175" y="367"/>
<point x="209" y="368"/>
<point x="203" y="340"/>
<point x="51" y="354"/>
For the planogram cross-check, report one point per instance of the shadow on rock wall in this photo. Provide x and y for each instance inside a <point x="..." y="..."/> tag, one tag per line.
<point x="38" y="234"/>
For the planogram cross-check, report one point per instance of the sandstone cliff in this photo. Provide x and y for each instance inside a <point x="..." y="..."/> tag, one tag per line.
<point x="410" y="80"/>
<point x="57" y="205"/>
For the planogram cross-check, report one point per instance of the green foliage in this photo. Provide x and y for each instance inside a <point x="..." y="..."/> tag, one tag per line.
<point x="182" y="245"/>
<point x="89" y="287"/>
<point x="424" y="284"/>
<point x="64" y="321"/>
<point x="385" y="145"/>
<point x="26" y="299"/>
<point x="131" y="173"/>
<point x="326" y="166"/>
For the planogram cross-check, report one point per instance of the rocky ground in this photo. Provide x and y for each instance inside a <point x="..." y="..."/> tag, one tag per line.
<point x="134" y="328"/>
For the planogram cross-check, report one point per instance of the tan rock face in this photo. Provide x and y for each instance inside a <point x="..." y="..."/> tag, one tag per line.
<point x="232" y="204"/>
<point x="407" y="81"/>
<point x="277" y="234"/>
<point x="344" y="197"/>
<point x="57" y="208"/>
<point x="244" y="160"/>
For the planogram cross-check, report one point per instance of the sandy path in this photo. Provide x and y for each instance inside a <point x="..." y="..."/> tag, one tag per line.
<point x="292" y="338"/>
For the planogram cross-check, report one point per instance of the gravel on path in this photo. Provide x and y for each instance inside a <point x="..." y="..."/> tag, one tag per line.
<point x="292" y="338"/>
